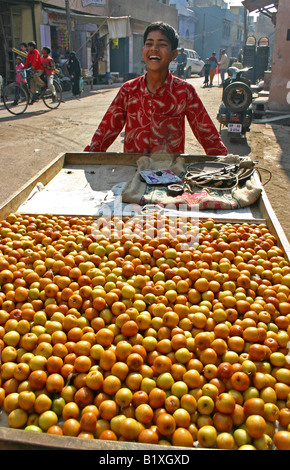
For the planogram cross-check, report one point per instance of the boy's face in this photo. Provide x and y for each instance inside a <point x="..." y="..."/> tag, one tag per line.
<point x="157" y="52"/>
<point x="44" y="52"/>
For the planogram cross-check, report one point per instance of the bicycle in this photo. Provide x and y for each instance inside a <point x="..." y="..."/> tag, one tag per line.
<point x="16" y="97"/>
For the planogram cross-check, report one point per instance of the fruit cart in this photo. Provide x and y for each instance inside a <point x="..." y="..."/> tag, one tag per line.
<point x="86" y="184"/>
<point x="74" y="173"/>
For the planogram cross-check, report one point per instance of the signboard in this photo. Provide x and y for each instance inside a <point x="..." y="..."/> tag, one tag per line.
<point x="98" y="3"/>
<point x="57" y="19"/>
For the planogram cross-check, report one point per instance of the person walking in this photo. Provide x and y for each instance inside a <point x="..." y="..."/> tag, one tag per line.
<point x="74" y="70"/>
<point x="223" y="65"/>
<point x="206" y="73"/>
<point x="240" y="56"/>
<point x="181" y="63"/>
<point x="213" y="67"/>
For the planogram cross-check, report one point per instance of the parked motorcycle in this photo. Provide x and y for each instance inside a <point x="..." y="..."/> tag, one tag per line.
<point x="235" y="111"/>
<point x="64" y="81"/>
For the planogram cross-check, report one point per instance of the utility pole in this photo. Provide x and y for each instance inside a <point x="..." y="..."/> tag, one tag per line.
<point x="68" y="23"/>
<point x="245" y="25"/>
<point x="203" y="37"/>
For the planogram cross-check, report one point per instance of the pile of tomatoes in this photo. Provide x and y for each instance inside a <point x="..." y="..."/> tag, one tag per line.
<point x="157" y="330"/>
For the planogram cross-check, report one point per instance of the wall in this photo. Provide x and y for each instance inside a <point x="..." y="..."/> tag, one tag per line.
<point x="27" y="23"/>
<point x="27" y="26"/>
<point x="279" y="98"/>
<point x="186" y="23"/>
<point x="146" y="11"/>
<point x="209" y="36"/>
<point x="237" y="32"/>
<point x="128" y="59"/>
<point x="38" y="21"/>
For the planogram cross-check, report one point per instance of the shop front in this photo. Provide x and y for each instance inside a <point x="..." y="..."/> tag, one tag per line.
<point x="62" y="35"/>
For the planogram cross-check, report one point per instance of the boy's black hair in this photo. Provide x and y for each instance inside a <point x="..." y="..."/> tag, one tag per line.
<point x="165" y="29"/>
<point x="47" y="49"/>
<point x="23" y="44"/>
<point x="32" y="43"/>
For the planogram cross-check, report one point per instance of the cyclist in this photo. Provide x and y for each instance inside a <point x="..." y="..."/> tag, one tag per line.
<point x="33" y="59"/>
<point x="47" y="63"/>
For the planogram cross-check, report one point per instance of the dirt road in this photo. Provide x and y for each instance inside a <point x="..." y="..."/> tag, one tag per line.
<point x="30" y="141"/>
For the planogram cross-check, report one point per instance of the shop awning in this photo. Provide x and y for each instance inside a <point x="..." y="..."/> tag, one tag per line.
<point x="116" y="27"/>
<point x="265" y="7"/>
<point x="94" y="19"/>
<point x="254" y="5"/>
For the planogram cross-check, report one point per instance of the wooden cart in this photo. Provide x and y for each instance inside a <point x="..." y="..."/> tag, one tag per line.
<point x="73" y="174"/>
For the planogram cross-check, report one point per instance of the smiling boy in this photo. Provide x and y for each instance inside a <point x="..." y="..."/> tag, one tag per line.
<point x="153" y="107"/>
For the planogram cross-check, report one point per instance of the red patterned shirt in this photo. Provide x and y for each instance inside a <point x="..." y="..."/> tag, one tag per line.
<point x="157" y="123"/>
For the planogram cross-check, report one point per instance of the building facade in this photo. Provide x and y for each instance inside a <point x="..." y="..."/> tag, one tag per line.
<point x="107" y="35"/>
<point x="237" y="31"/>
<point x="126" y="53"/>
<point x="186" y="23"/>
<point x="213" y="30"/>
<point x="279" y="98"/>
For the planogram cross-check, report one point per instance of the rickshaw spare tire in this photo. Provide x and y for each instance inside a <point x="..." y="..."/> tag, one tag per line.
<point x="229" y="95"/>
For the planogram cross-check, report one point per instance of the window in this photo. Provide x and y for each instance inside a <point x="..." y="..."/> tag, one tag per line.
<point x="239" y="34"/>
<point x="226" y="30"/>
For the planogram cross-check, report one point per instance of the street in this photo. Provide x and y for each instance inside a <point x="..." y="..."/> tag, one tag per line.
<point x="30" y="141"/>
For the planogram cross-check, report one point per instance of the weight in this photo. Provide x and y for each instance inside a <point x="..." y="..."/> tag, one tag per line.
<point x="175" y="190"/>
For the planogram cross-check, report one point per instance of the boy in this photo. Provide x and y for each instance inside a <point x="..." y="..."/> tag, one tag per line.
<point x="33" y="59"/>
<point x="206" y="73"/>
<point x="153" y="107"/>
<point x="24" y="49"/>
<point x="47" y="63"/>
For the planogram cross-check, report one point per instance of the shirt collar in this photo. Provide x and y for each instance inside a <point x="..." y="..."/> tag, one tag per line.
<point x="166" y="86"/>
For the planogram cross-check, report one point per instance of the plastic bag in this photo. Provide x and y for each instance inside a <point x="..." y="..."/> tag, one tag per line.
<point x="81" y="84"/>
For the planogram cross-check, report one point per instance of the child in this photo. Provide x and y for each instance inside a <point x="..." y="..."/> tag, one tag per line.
<point x="20" y="78"/>
<point x="206" y="73"/>
<point x="213" y="68"/>
<point x="47" y="63"/>
<point x="24" y="49"/>
<point x="153" y="107"/>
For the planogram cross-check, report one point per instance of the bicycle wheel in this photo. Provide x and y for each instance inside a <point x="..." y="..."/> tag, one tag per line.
<point x="15" y="98"/>
<point x="48" y="98"/>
